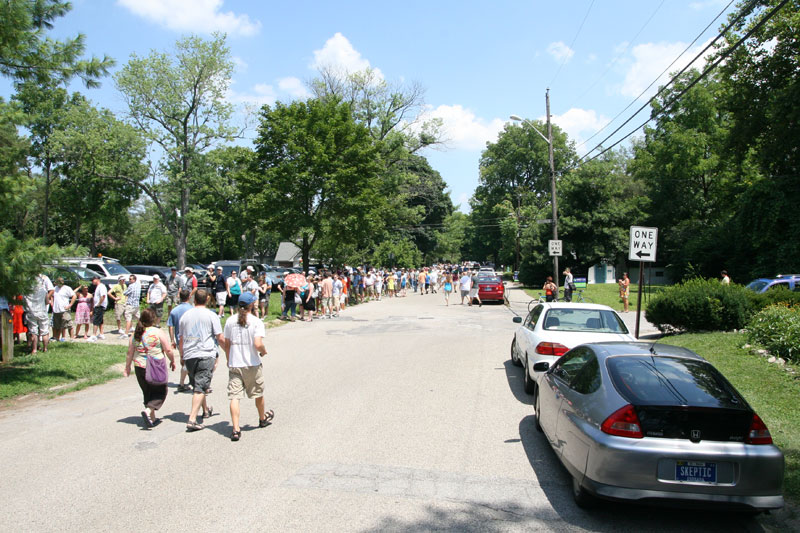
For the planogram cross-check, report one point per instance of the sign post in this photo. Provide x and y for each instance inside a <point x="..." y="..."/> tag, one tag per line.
<point x="642" y="248"/>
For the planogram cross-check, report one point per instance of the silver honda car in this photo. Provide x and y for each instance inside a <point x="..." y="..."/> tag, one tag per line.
<point x="651" y="422"/>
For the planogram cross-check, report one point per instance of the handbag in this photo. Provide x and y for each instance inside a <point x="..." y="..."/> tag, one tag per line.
<point x="297" y="298"/>
<point x="572" y="286"/>
<point x="156" y="371"/>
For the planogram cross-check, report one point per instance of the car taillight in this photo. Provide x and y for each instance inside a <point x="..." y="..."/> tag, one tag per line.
<point x="551" y="348"/>
<point x="623" y="423"/>
<point x="758" y="434"/>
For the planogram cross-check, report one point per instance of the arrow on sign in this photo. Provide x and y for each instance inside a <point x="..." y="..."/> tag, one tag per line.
<point x="642" y="254"/>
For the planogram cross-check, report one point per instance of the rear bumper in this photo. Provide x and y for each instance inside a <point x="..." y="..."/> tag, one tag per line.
<point x="693" y="499"/>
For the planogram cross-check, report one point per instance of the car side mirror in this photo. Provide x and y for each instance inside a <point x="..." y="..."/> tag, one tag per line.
<point x="543" y="366"/>
<point x="517" y="320"/>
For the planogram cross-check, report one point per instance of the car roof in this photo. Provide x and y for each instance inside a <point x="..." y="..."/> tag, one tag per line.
<point x="639" y="348"/>
<point x="570" y="305"/>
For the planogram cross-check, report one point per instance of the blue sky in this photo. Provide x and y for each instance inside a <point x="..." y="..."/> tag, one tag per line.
<point x="479" y="62"/>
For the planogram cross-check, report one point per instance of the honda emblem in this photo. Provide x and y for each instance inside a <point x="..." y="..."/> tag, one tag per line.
<point x="695" y="433"/>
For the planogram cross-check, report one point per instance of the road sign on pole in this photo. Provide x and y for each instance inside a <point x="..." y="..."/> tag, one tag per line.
<point x="555" y="247"/>
<point x="643" y="244"/>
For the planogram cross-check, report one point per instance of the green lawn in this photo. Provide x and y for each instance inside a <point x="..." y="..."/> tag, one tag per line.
<point x="64" y="362"/>
<point x="604" y="293"/>
<point x="770" y="390"/>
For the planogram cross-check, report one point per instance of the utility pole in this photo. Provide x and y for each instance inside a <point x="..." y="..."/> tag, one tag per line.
<point x="552" y="185"/>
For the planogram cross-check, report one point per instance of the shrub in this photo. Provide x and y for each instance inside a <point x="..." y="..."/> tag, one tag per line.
<point x="774" y="296"/>
<point x="700" y="305"/>
<point x="777" y="328"/>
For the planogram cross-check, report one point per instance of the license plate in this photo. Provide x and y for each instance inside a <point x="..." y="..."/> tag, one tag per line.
<point x="696" y="472"/>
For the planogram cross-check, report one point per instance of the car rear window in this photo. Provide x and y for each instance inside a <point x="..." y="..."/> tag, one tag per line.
<point x="591" y="320"/>
<point x="671" y="381"/>
<point x="489" y="279"/>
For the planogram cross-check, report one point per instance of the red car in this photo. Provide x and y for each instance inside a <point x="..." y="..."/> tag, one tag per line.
<point x="490" y="288"/>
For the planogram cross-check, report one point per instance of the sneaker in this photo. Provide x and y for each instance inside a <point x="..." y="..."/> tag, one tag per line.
<point x="101" y="336"/>
<point x="123" y="335"/>
<point x="92" y="339"/>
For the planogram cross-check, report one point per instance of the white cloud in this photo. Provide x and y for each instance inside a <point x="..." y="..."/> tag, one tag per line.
<point x="339" y="53"/>
<point x="560" y="51"/>
<point x="240" y="64"/>
<point x="294" y="87"/>
<point x="650" y="59"/>
<point x="579" y="123"/>
<point x="462" y="130"/>
<point x="260" y="94"/>
<point x="192" y="15"/>
<point x="705" y="4"/>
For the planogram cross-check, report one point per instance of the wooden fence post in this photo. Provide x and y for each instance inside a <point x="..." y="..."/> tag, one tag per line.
<point x="8" y="335"/>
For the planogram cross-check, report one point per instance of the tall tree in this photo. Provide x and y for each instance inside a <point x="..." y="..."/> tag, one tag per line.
<point x="178" y="102"/>
<point x="316" y="174"/>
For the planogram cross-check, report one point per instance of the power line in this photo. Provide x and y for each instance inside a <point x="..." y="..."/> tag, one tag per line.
<point x="613" y="61"/>
<point x="659" y="76"/>
<point x="694" y="82"/>
<point x="566" y="57"/>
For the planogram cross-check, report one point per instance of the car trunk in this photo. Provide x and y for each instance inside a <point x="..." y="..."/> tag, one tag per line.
<point x="695" y="424"/>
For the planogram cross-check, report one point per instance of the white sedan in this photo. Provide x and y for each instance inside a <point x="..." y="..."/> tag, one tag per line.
<point x="552" y="329"/>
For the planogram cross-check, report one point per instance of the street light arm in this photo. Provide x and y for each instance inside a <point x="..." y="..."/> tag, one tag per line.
<point x="519" y="119"/>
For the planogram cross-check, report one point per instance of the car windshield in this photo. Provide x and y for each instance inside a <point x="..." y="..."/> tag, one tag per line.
<point x="671" y="381"/>
<point x="591" y="320"/>
<point x="84" y="273"/>
<point x="757" y="285"/>
<point x="115" y="269"/>
<point x="488" y="279"/>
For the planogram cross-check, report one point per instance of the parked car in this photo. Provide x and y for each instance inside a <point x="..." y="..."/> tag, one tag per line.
<point x="781" y="281"/>
<point x="108" y="269"/>
<point x="551" y="329"/>
<point x="162" y="271"/>
<point x="74" y="276"/>
<point x="645" y="422"/>
<point x="491" y="288"/>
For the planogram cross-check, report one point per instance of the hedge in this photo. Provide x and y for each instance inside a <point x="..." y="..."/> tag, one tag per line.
<point x="777" y="328"/>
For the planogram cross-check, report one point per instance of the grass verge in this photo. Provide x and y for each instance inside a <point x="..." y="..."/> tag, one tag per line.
<point x="79" y="364"/>
<point x="605" y="294"/>
<point x="770" y="390"/>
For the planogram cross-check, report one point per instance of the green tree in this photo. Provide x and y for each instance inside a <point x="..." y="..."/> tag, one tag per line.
<point x="178" y="102"/>
<point x="316" y="174"/>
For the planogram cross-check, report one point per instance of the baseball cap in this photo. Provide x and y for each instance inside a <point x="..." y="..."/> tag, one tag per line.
<point x="246" y="299"/>
<point x="173" y="268"/>
<point x="188" y="269"/>
<point x="156" y="276"/>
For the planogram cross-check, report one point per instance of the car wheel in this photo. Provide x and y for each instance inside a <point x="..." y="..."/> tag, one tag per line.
<point x="514" y="358"/>
<point x="530" y="385"/>
<point x="536" y="414"/>
<point x="583" y="498"/>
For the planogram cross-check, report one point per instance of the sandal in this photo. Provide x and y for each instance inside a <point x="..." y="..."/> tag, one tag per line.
<point x="236" y="435"/>
<point x="268" y="416"/>
<point x="210" y="412"/>
<point x="147" y="421"/>
<point x="194" y="426"/>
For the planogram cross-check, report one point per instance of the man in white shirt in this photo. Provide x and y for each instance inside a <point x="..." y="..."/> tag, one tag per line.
<point x="155" y="297"/>
<point x="369" y="282"/>
<point x="244" y="347"/>
<point x="35" y="304"/>
<point x="100" y="306"/>
<point x="465" y="284"/>
<point x="63" y="298"/>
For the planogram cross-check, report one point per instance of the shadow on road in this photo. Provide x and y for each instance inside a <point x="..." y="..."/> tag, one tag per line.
<point x="134" y="421"/>
<point x="514" y="375"/>
<point x="556" y="483"/>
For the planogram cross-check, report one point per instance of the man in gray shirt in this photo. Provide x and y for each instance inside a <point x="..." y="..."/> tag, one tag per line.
<point x="200" y="332"/>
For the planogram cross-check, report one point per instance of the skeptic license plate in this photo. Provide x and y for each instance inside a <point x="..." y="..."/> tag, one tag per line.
<point x="696" y="471"/>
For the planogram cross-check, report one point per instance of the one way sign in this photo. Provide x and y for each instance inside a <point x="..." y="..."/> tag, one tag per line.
<point x="643" y="244"/>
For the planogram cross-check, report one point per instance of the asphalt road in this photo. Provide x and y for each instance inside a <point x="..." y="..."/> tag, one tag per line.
<point x="401" y="415"/>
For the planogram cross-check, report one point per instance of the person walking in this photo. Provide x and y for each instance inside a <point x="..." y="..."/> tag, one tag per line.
<point x="156" y="295"/>
<point x="36" y="317"/>
<point x="264" y="293"/>
<point x="448" y="288"/>
<point x="234" y="286"/>
<point x="550" y="289"/>
<point x="199" y="329"/>
<point x="174" y="326"/>
<point x="726" y="280"/>
<point x="624" y="291"/>
<point x="465" y="284"/>
<point x="63" y="298"/>
<point x="244" y="348"/>
<point x="99" y="309"/>
<point x="148" y="347"/>
<point x="474" y="291"/>
<point x="117" y="295"/>
<point x="569" y="285"/>
<point x="83" y="313"/>
<point x="133" y="295"/>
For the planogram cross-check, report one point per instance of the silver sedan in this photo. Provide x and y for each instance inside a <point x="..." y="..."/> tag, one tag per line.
<point x="646" y="422"/>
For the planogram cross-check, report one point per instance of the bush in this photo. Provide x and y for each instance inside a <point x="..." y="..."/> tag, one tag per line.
<point x="777" y="328"/>
<point x="774" y="296"/>
<point x="700" y="305"/>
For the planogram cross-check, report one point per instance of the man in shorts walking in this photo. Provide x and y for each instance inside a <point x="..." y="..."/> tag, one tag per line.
<point x="99" y="310"/>
<point x="133" y="295"/>
<point x="156" y="295"/>
<point x="244" y="347"/>
<point x="200" y="332"/>
<point x="473" y="291"/>
<point x="174" y="322"/>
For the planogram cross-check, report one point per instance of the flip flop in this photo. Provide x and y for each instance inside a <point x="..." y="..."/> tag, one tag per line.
<point x="236" y="435"/>
<point x="268" y="416"/>
<point x="149" y="423"/>
<point x="194" y="426"/>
